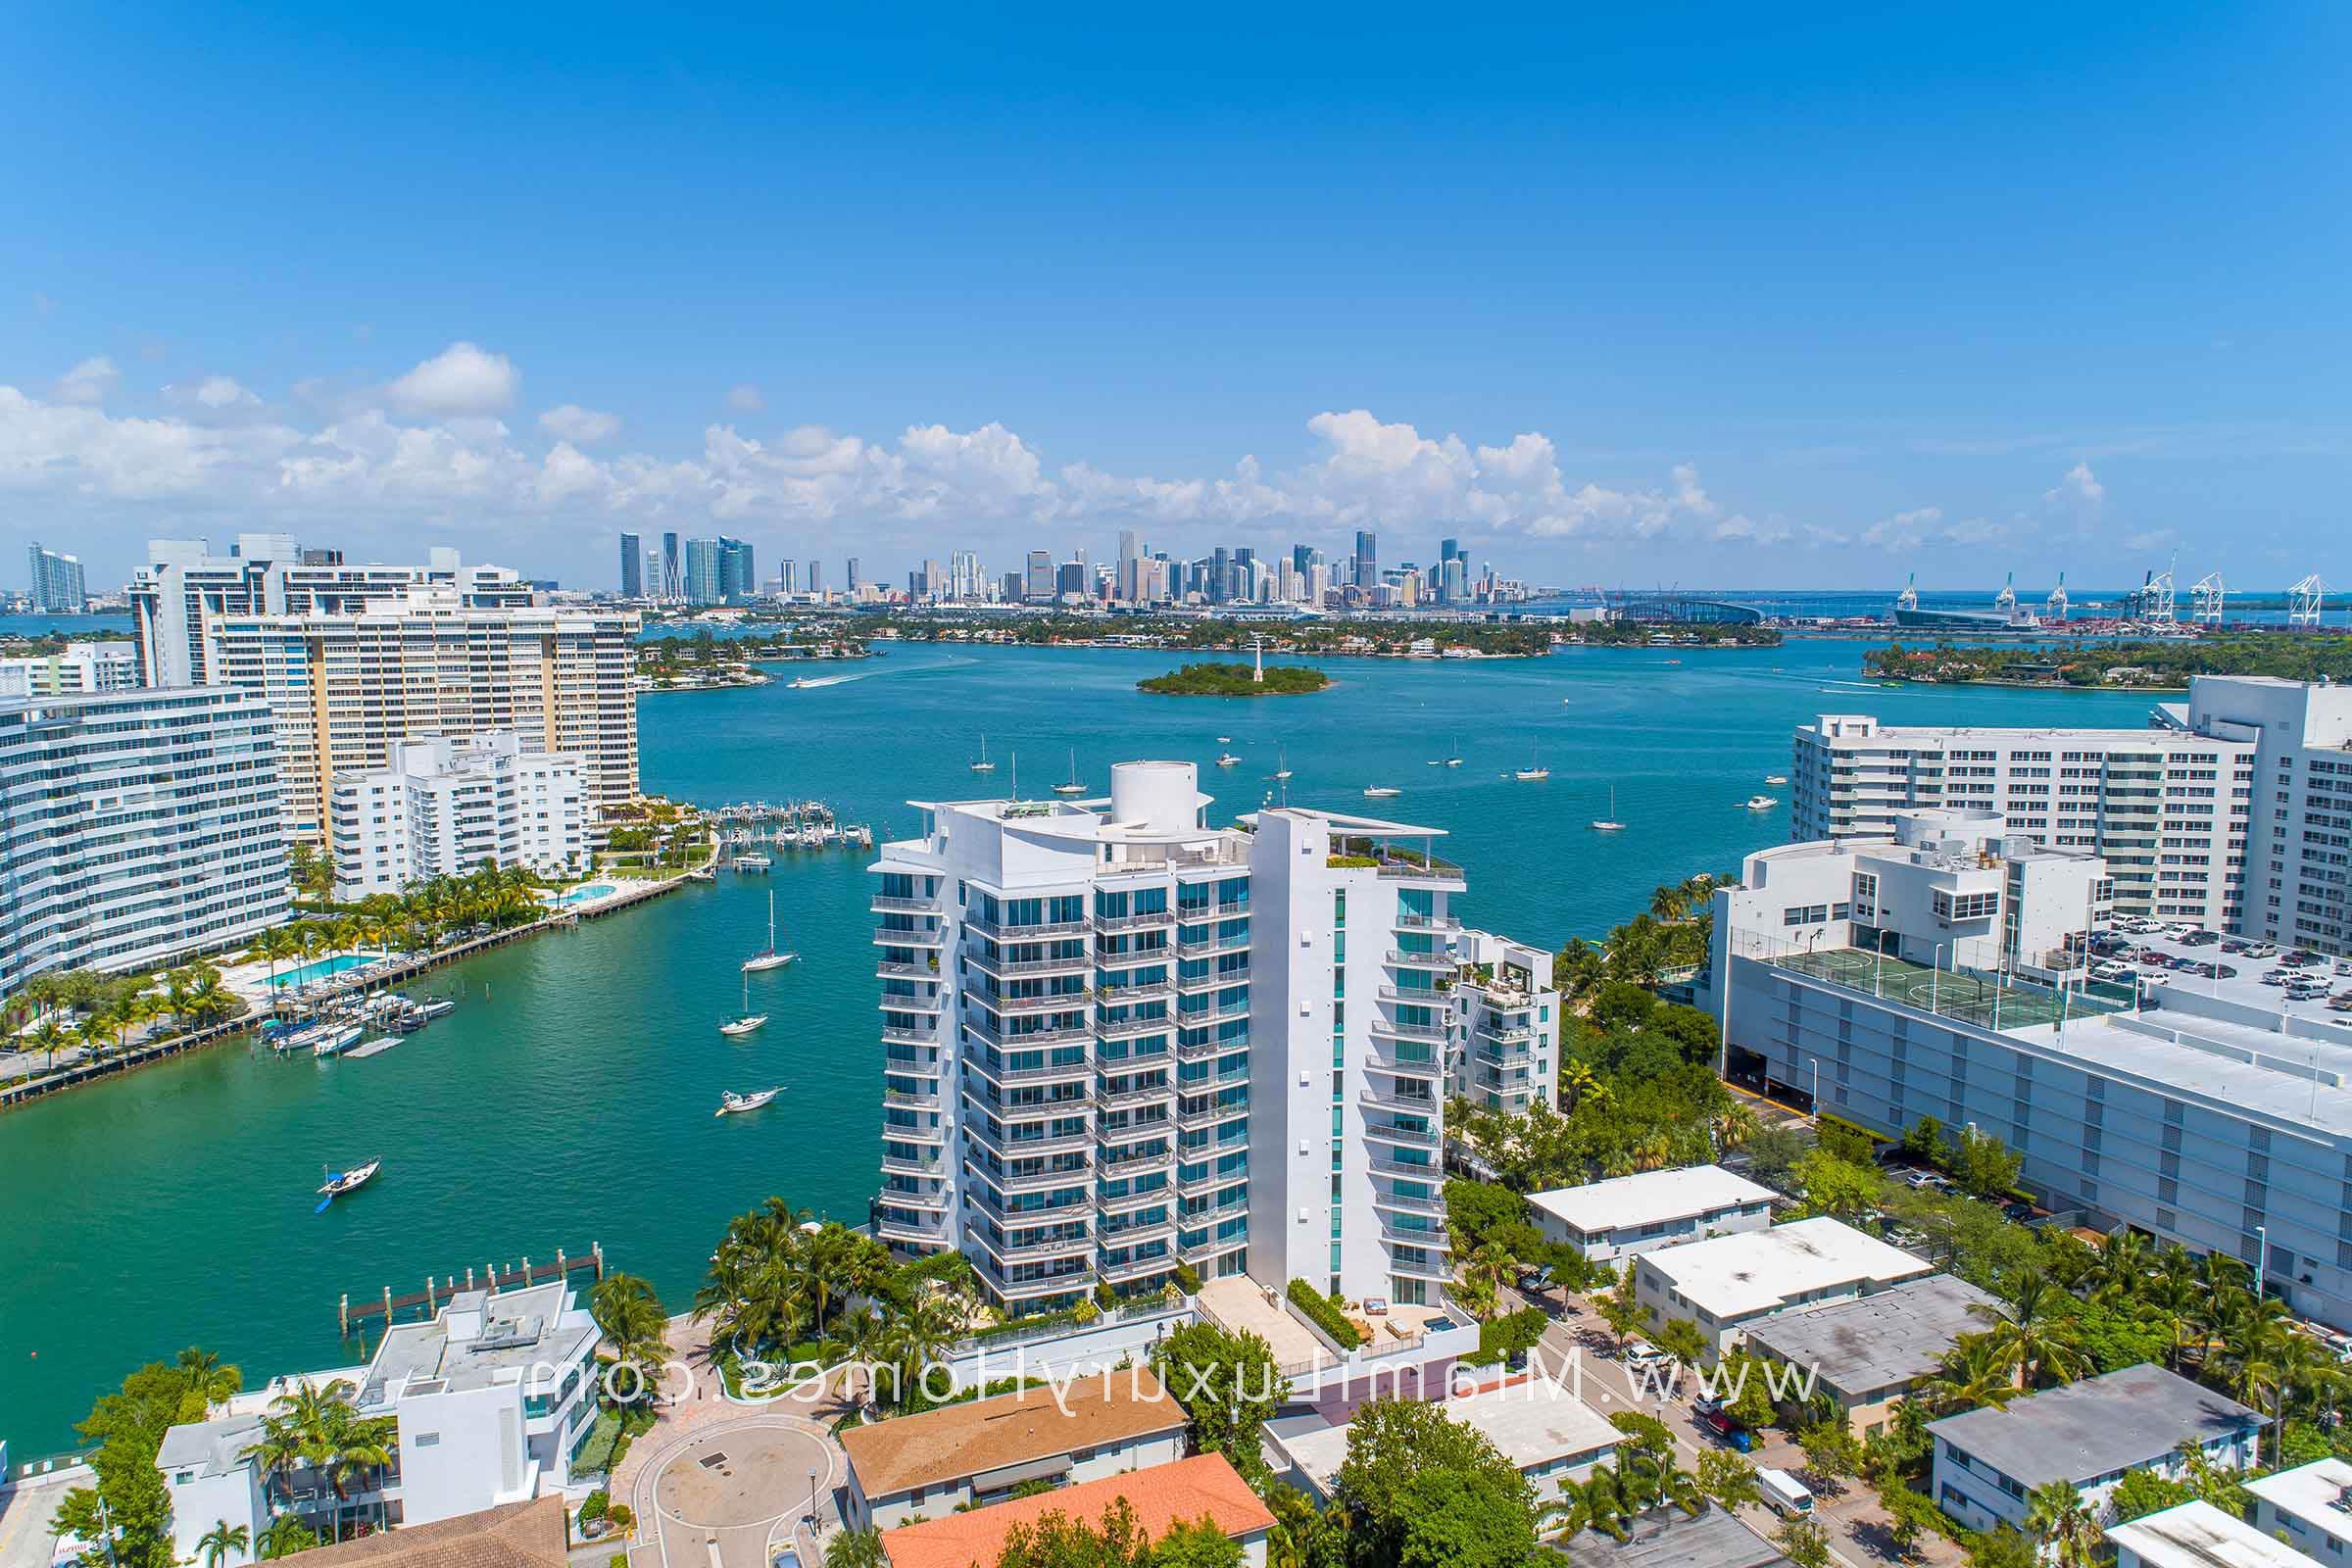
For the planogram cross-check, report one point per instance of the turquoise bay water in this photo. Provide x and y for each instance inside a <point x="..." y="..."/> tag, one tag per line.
<point x="568" y="1097"/>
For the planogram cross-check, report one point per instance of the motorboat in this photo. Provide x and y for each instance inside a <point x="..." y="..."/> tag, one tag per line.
<point x="329" y="1040"/>
<point x="1608" y="824"/>
<point x="768" y="958"/>
<point x="1762" y="803"/>
<point x="434" y="1007"/>
<point x="702" y="873"/>
<point x="1073" y="787"/>
<point x="1381" y="792"/>
<point x="1776" y="778"/>
<point x="747" y="1020"/>
<point x="984" y="765"/>
<point x="339" y="1182"/>
<point x="731" y="1103"/>
<point x="1228" y="759"/>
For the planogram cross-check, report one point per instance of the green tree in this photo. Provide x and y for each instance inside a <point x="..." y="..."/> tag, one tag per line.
<point x="2054" y="1513"/>
<point x="1682" y="1339"/>
<point x="126" y="1509"/>
<point x="1838" y="1187"/>
<point x="285" y="1535"/>
<point x="1395" y="1442"/>
<point x="1831" y="1450"/>
<point x="1985" y="1166"/>
<point x="1924" y="1141"/>
<point x="1727" y="1478"/>
<point x="1844" y="1141"/>
<point x="1621" y="1309"/>
<point x="1228" y="1384"/>
<point x="221" y="1543"/>
<point x="2037" y="1335"/>
<point x="2002" y="1547"/>
<point x="1804" y="1542"/>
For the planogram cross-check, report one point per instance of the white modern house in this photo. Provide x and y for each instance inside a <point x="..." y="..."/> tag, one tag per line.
<point x="1612" y="1219"/>
<point x="1537" y="1423"/>
<point x="1728" y="1283"/>
<point x="1115" y="1038"/>
<point x="137" y="828"/>
<point x="2222" y="1124"/>
<point x="444" y="808"/>
<point x="2197" y="1535"/>
<point x="2091" y="1434"/>
<point x="110" y="666"/>
<point x="493" y="1399"/>
<point x="2311" y="1506"/>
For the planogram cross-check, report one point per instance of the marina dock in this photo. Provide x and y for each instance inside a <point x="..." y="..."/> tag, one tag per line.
<point x="416" y="1306"/>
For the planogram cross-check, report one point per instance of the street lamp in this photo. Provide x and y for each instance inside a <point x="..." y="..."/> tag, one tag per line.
<point x="812" y="1515"/>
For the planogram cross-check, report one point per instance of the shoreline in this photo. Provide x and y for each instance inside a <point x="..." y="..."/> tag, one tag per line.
<point x="79" y="1074"/>
<point x="2040" y="686"/>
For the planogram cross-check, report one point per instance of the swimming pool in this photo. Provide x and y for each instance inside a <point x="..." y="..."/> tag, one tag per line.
<point x="323" y="969"/>
<point x="593" y="890"/>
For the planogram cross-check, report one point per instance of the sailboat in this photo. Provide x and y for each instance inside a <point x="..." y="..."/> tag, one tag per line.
<point x="1073" y="787"/>
<point x="984" y="765"/>
<point x="749" y="1020"/>
<point x="1281" y="762"/>
<point x="1608" y="824"/>
<point x="1534" y="767"/>
<point x="768" y="958"/>
<point x="339" y="1182"/>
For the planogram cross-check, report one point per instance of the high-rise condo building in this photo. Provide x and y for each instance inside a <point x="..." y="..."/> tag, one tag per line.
<point x="183" y="584"/>
<point x="2167" y="808"/>
<point x="702" y="572"/>
<point x="817" y="577"/>
<point x="788" y="577"/>
<point x="1115" y="1038"/>
<point x="55" y="581"/>
<point x="137" y="828"/>
<point x="443" y="807"/>
<point x="1367" y="560"/>
<point x="737" y="575"/>
<point x="673" y="579"/>
<point x="1130" y="584"/>
<point x="850" y="575"/>
<point x="632" y="567"/>
<point x="344" y="688"/>
<point x="110" y="666"/>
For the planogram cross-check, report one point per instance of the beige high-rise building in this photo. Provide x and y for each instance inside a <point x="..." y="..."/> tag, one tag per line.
<point x="344" y="688"/>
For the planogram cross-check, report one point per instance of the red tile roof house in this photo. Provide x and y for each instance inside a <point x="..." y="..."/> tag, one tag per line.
<point x="1166" y="1495"/>
<point x="976" y="1453"/>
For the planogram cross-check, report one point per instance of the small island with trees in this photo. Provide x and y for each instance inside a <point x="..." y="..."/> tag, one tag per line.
<point x="2120" y="666"/>
<point x="1236" y="680"/>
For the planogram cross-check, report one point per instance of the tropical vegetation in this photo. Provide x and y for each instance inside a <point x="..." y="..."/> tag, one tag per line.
<point x="1236" y="680"/>
<point x="2287" y="655"/>
<point x="124" y="1511"/>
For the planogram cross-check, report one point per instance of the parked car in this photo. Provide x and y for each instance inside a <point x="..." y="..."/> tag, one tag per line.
<point x="2200" y="939"/>
<point x="2343" y="967"/>
<point x="2261" y="950"/>
<point x="2235" y="945"/>
<point x="2275" y="977"/>
<point x="1711" y="1414"/>
<point x="2311" y="992"/>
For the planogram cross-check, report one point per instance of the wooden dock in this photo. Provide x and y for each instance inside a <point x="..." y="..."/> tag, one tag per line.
<point x="417" y="1306"/>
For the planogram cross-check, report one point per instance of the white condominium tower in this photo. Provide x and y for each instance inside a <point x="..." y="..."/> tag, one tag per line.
<point x="345" y="688"/>
<point x="182" y="583"/>
<point x="443" y="807"/>
<point x="137" y="828"/>
<point x="1115" y="1038"/>
<point x="2166" y="808"/>
<point x="82" y="667"/>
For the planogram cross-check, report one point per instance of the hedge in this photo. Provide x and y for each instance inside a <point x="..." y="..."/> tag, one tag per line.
<point x="1325" y="1314"/>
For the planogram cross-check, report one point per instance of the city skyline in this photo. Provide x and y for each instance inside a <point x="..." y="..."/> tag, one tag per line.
<point x="1661" y="336"/>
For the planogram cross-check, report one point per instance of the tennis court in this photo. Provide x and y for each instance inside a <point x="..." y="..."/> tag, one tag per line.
<point x="1966" y="994"/>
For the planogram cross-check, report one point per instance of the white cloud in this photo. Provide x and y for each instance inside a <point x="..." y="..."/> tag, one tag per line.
<point x="215" y="393"/>
<point x="745" y="398"/>
<point x="2080" y="488"/>
<point x="581" y="426"/>
<point x="88" y="383"/>
<point x="2152" y="539"/>
<point x="1925" y="527"/>
<point x="462" y="379"/>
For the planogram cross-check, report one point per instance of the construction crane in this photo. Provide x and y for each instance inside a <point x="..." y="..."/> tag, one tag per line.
<point x="2005" y="602"/>
<point x="2055" y="605"/>
<point x="2205" y="600"/>
<point x="1908" y="599"/>
<point x="2156" y="599"/>
<point x="2303" y="602"/>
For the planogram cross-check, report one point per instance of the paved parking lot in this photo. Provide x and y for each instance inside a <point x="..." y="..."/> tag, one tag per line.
<point x="2245" y="987"/>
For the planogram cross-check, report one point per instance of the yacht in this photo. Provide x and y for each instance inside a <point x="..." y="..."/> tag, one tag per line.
<point x="731" y="1103"/>
<point x="1534" y="767"/>
<point x="768" y="958"/>
<point x="1228" y="759"/>
<point x="984" y="765"/>
<point x="702" y="873"/>
<point x="1776" y="778"/>
<point x="748" y="1020"/>
<point x="330" y="1039"/>
<point x="1381" y="792"/>
<point x="339" y="1182"/>
<point x="1073" y="787"/>
<point x="1282" y="764"/>
<point x="1608" y="824"/>
<point x="1762" y="803"/>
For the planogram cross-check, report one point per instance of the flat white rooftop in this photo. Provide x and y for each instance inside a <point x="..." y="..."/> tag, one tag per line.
<point x="1731" y="1276"/>
<point x="1650" y="1198"/>
<point x="1534" y="1421"/>
<point x="2235" y="1066"/>
<point x="2310" y="1492"/>
<point x="2197" y="1535"/>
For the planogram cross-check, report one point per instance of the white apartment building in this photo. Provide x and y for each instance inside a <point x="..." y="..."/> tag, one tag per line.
<point x="2213" y="1121"/>
<point x="182" y="584"/>
<point x="137" y="828"/>
<point x="2310" y="1505"/>
<point x="1117" y="1037"/>
<point x="347" y="687"/>
<point x="444" y="808"/>
<point x="2298" y="840"/>
<point x="1728" y="1282"/>
<point x="1507" y="1020"/>
<point x="82" y="667"/>
<point x="493" y="1399"/>
<point x="2167" y="808"/>
<point x="1626" y="1215"/>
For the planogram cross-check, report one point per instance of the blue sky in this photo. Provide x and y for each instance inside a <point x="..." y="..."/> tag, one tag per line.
<point x="1621" y="295"/>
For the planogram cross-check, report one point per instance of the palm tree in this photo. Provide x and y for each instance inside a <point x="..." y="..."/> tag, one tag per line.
<point x="222" y="1542"/>
<point x="1975" y="1374"/>
<point x="208" y="1375"/>
<point x="1484" y="1274"/>
<point x="2034" y="1334"/>
<point x="1651" y="1481"/>
<point x="92" y="1031"/>
<point x="2174" y="1290"/>
<point x="2054" y="1511"/>
<point x="2124" y="1267"/>
<point x="1597" y="1503"/>
<point x="857" y="1548"/>
<point x="50" y="1037"/>
<point x="285" y="1535"/>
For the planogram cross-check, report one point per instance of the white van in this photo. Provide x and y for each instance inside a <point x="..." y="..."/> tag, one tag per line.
<point x="1784" y="1494"/>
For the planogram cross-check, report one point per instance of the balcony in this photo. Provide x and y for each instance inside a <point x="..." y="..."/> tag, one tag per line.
<point x="1067" y="1282"/>
<point x="1432" y="1173"/>
<point x="1408" y="1104"/>
<point x="1081" y="1068"/>
<point x="1207" y="1015"/>
<point x="1127" y="996"/>
<point x="911" y="1099"/>
<point x="886" y="905"/>
<point x="1423" y="996"/>
<point x="1122" y="1203"/>
<point x="1026" y="933"/>
<point x="1407" y="920"/>
<point x="1204" y="947"/>
<point x="1081" y="1244"/>
<point x="1396" y="1133"/>
<point x="1128" y="1166"/>
<point x="1148" y="920"/>
<point x="893" y="937"/>
<point x="1081" y="1142"/>
<point x="1136" y="1268"/>
<point x="1036" y="1180"/>
<point x="1070" y="1035"/>
<point x="1121" y="1099"/>
<point x="929" y="1231"/>
<point x="898" y="1001"/>
<point x="1057" y="1002"/>
<point x="1431" y="1206"/>
<point x="886" y="970"/>
<point x="1435" y="963"/>
<point x="1408" y="1031"/>
<point x="901" y="1197"/>
<point x="1008" y="968"/>
<point x="1207" y="1048"/>
<point x="1422" y="869"/>
<point x="1131" y="1028"/>
<point x="918" y="1035"/>
<point x="1212" y="1117"/>
<point x="1385" y="1060"/>
<point x="899" y="1165"/>
<point x="1431" y="1240"/>
<point x="900" y="1133"/>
